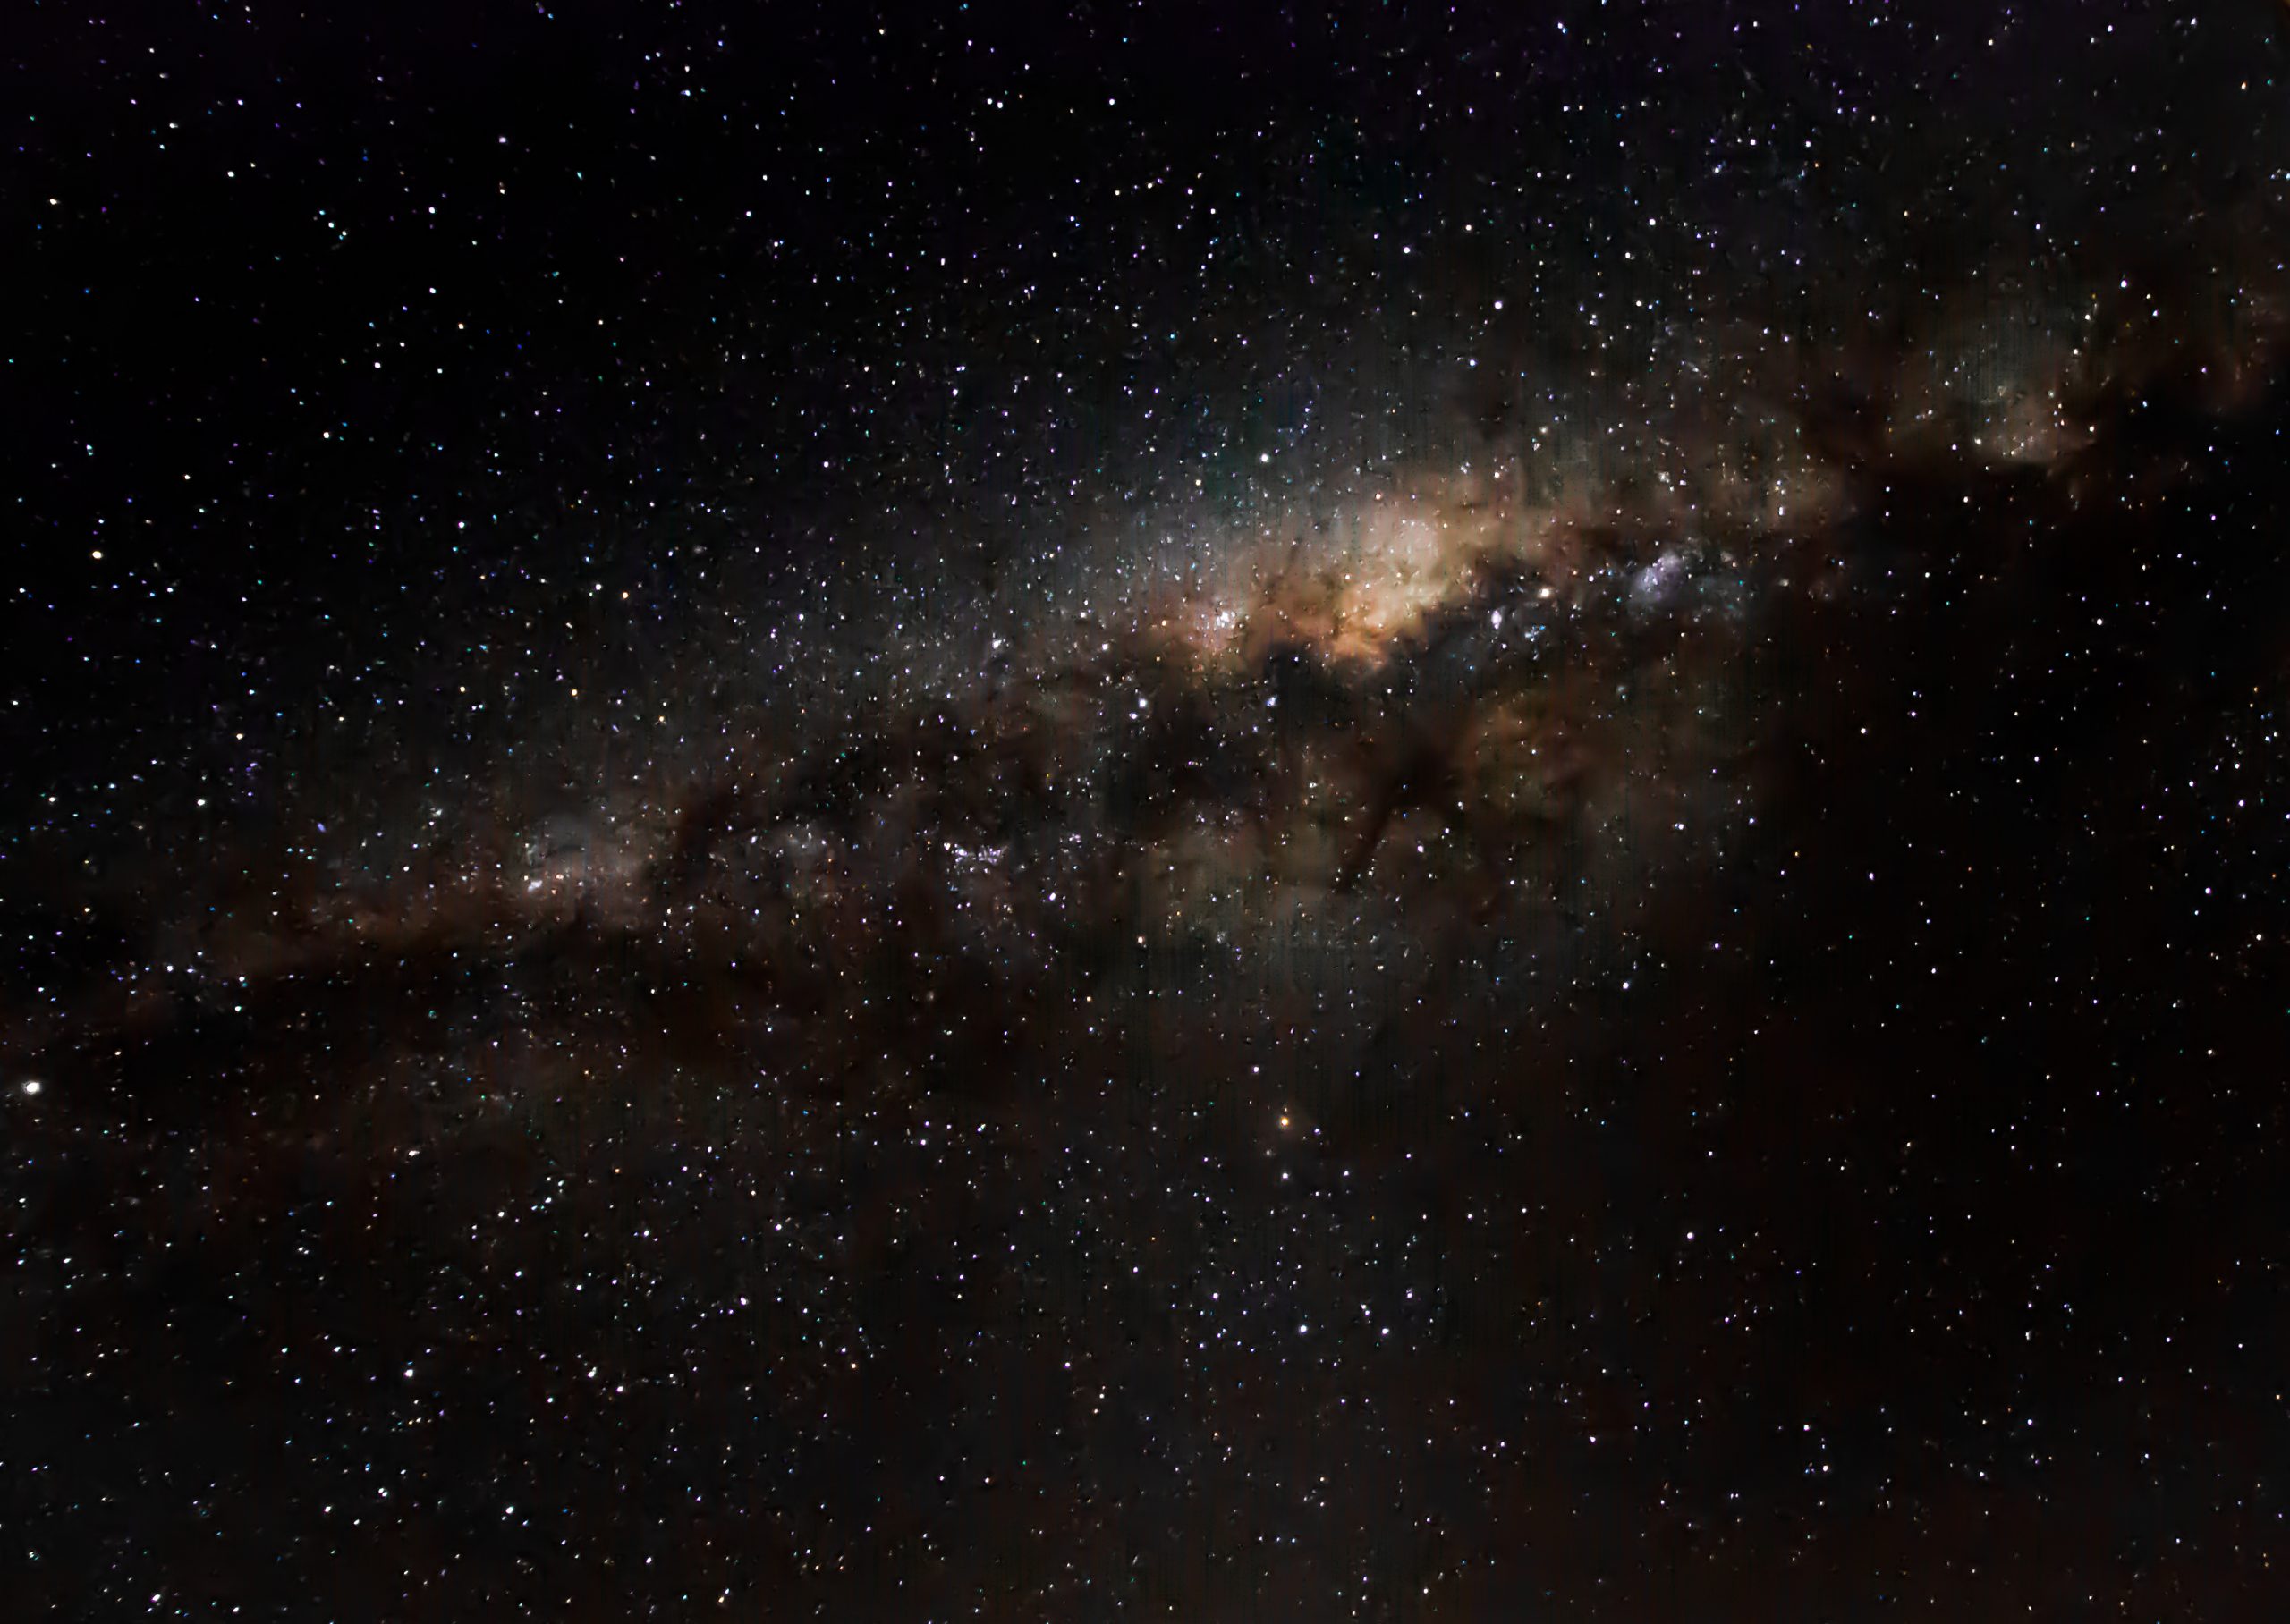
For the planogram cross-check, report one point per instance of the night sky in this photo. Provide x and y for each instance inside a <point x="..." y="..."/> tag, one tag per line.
<point x="1179" y="810"/>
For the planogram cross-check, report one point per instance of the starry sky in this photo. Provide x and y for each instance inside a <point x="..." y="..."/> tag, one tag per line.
<point x="1146" y="811"/>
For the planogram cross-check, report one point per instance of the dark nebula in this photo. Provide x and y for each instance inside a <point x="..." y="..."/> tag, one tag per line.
<point x="1199" y="812"/>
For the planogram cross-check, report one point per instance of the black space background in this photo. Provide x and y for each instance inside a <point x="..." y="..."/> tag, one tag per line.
<point x="1965" y="1075"/>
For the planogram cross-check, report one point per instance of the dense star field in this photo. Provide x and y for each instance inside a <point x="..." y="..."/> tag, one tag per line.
<point x="989" y="811"/>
